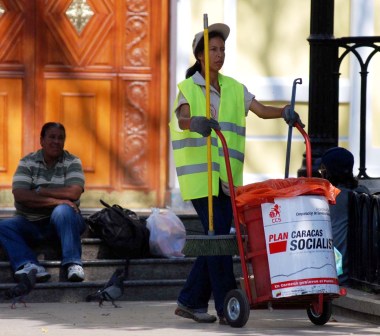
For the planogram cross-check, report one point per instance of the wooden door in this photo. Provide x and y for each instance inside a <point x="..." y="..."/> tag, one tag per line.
<point x="99" y="67"/>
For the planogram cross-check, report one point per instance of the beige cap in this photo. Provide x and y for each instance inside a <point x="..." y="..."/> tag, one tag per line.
<point x="222" y="28"/>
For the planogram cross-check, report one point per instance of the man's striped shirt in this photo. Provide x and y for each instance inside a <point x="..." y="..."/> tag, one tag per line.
<point x="32" y="172"/>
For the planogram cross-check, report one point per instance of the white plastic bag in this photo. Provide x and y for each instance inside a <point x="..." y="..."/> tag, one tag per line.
<point x="167" y="234"/>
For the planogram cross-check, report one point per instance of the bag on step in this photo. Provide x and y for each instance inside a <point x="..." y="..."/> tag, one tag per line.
<point x="167" y="234"/>
<point x="122" y="230"/>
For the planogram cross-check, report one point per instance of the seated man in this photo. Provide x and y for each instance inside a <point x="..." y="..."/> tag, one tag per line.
<point x="46" y="186"/>
<point x="336" y="166"/>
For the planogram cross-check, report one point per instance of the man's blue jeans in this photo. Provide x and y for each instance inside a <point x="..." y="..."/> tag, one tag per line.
<point x="210" y="274"/>
<point x="17" y="234"/>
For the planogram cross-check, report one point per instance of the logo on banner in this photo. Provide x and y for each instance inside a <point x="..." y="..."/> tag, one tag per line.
<point x="278" y="242"/>
<point x="275" y="213"/>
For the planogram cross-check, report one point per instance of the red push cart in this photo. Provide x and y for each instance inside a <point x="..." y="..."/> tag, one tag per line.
<point x="256" y="291"/>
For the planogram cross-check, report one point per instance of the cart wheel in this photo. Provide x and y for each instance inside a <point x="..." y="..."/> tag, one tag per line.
<point x="236" y="308"/>
<point x="324" y="317"/>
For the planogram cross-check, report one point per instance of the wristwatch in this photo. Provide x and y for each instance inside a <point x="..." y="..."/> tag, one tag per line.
<point x="38" y="189"/>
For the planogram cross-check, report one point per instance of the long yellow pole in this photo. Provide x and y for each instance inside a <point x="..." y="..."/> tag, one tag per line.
<point x="209" y="158"/>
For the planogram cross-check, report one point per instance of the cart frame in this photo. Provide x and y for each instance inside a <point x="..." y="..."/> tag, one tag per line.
<point x="236" y="303"/>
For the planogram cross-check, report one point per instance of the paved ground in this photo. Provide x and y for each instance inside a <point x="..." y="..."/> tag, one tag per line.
<point x="157" y="318"/>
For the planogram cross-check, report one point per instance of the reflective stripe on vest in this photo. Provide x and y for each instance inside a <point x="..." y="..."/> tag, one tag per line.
<point x="196" y="168"/>
<point x="190" y="148"/>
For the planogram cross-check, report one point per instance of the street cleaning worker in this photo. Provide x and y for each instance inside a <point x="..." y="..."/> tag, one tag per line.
<point x="230" y="102"/>
<point x="337" y="167"/>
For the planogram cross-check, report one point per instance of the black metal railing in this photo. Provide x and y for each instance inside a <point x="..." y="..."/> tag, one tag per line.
<point x="326" y="56"/>
<point x="352" y="46"/>
<point x="364" y="227"/>
<point x="364" y="241"/>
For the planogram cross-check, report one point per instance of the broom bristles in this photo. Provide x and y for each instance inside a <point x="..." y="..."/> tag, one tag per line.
<point x="203" y="245"/>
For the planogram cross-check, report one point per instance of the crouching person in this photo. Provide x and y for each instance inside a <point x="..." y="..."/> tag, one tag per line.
<point x="47" y="186"/>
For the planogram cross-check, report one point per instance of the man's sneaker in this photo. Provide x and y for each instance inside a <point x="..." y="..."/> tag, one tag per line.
<point x="191" y="314"/>
<point x="75" y="273"/>
<point x="41" y="275"/>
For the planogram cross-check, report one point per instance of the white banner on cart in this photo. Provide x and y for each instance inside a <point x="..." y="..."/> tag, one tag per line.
<point x="300" y="246"/>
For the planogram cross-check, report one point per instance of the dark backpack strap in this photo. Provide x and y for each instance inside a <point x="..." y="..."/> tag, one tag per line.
<point x="104" y="203"/>
<point x="120" y="210"/>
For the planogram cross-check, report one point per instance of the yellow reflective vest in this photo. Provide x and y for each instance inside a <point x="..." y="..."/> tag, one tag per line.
<point x="190" y="148"/>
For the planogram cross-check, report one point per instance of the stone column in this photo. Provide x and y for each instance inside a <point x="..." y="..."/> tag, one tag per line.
<point x="324" y="82"/>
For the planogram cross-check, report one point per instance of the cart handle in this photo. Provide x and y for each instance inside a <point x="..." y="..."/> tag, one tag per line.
<point x="309" y="172"/>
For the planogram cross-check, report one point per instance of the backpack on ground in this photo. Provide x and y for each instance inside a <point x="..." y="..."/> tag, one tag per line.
<point x="122" y="230"/>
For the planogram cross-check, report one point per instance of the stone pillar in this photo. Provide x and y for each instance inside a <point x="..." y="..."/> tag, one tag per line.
<point x="324" y="82"/>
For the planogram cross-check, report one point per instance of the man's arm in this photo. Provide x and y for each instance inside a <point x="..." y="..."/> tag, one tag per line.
<point x="72" y="192"/>
<point x="48" y="197"/>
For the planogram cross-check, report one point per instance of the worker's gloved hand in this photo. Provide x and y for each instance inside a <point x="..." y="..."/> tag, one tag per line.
<point x="203" y="125"/>
<point x="291" y="118"/>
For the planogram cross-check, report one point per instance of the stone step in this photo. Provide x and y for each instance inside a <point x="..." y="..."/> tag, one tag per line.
<point x="100" y="270"/>
<point x="93" y="247"/>
<point x="149" y="279"/>
<point x="142" y="290"/>
<point x="189" y="219"/>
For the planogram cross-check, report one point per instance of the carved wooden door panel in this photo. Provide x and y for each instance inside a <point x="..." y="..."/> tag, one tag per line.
<point x="12" y="73"/>
<point x="100" y="68"/>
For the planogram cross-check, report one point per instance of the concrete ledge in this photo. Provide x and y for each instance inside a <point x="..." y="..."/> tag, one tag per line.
<point x="359" y="305"/>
